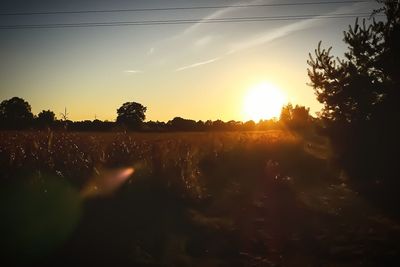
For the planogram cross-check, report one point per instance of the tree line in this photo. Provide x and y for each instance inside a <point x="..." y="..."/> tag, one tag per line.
<point x="16" y="114"/>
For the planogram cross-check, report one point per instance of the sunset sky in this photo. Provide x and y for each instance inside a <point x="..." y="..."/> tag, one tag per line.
<point x="197" y="70"/>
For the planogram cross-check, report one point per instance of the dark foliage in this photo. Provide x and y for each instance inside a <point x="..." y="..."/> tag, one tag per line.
<point x="361" y="95"/>
<point x="15" y="113"/>
<point x="180" y="124"/>
<point x="297" y="117"/>
<point x="46" y="118"/>
<point x="131" y="115"/>
<point x="94" y="126"/>
<point x="194" y="199"/>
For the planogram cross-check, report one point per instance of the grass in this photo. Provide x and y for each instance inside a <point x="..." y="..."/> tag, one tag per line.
<point x="184" y="199"/>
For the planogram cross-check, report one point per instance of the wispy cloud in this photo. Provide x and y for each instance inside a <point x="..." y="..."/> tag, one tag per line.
<point x="191" y="35"/>
<point x="217" y="14"/>
<point x="150" y="51"/>
<point x="198" y="64"/>
<point x="203" y="41"/>
<point x="269" y="36"/>
<point x="258" y="39"/>
<point x="133" y="71"/>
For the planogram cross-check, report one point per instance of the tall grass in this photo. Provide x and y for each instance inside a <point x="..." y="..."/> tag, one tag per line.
<point x="190" y="199"/>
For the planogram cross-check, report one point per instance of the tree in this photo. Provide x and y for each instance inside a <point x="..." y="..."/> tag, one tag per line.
<point x="46" y="118"/>
<point x="131" y="115"/>
<point x="297" y="117"/>
<point x="157" y="126"/>
<point x="181" y="124"/>
<point x="249" y="125"/>
<point x="15" y="113"/>
<point x="218" y="125"/>
<point x="286" y="113"/>
<point x="301" y="116"/>
<point x="360" y="96"/>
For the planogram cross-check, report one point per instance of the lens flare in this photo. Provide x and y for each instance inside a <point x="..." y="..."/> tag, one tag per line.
<point x="106" y="182"/>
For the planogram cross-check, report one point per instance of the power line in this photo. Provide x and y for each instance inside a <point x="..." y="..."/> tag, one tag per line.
<point x="178" y="8"/>
<point x="182" y="21"/>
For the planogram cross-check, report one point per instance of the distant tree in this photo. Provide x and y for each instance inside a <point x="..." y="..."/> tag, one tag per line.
<point x="301" y="116"/>
<point x="88" y="125"/>
<point x="360" y="96"/>
<point x="268" y="124"/>
<point x="155" y="126"/>
<point x="233" y="125"/>
<point x="200" y="125"/>
<point x="286" y="113"/>
<point x="208" y="125"/>
<point x="131" y="115"/>
<point x="297" y="118"/>
<point x="15" y="113"/>
<point x="46" y="118"/>
<point x="180" y="124"/>
<point x="218" y="125"/>
<point x="249" y="125"/>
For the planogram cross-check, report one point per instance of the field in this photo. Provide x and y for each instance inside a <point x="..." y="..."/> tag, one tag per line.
<point x="269" y="198"/>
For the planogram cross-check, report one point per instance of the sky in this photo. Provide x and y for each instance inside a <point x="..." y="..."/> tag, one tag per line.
<point x="199" y="71"/>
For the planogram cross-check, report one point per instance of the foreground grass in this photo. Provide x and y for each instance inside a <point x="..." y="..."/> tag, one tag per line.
<point x="184" y="199"/>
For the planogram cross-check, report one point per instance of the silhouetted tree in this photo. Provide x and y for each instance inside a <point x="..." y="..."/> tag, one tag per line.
<point x="249" y="125"/>
<point x="267" y="124"/>
<point x="46" y="118"/>
<point x="200" y="125"/>
<point x="15" y="113"/>
<point x="208" y="125"/>
<point x="233" y="125"/>
<point x="180" y="124"/>
<point x="361" y="95"/>
<point x="155" y="126"/>
<point x="218" y="125"/>
<point x="87" y="125"/>
<point x="131" y="115"/>
<point x="301" y="116"/>
<point x="286" y="113"/>
<point x="297" y="117"/>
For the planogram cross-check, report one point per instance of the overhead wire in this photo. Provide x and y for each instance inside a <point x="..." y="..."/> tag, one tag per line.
<point x="182" y="21"/>
<point x="178" y="8"/>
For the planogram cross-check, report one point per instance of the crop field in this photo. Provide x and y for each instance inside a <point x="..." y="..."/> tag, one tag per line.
<point x="268" y="198"/>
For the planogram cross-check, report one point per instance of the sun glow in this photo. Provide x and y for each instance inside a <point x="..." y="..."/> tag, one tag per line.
<point x="263" y="101"/>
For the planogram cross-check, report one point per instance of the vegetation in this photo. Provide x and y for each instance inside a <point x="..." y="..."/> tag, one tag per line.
<point x="46" y="118"/>
<point x="360" y="95"/>
<point x="189" y="199"/>
<point x="297" y="117"/>
<point x="131" y="114"/>
<point x="15" y="113"/>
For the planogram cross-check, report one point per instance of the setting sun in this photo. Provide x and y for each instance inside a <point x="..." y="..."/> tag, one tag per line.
<point x="263" y="101"/>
